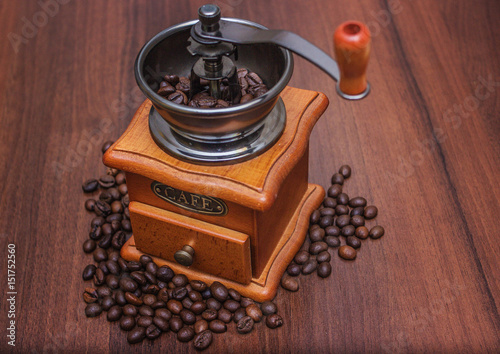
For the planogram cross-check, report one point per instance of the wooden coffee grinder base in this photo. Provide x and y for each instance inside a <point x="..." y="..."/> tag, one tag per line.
<point x="240" y="224"/>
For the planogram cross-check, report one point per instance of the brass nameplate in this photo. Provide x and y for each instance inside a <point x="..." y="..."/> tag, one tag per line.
<point x="193" y="202"/>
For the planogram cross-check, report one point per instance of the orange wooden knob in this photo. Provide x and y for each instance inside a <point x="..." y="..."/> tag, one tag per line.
<point x="352" y="41"/>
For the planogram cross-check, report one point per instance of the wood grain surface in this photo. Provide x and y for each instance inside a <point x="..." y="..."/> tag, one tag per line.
<point x="424" y="147"/>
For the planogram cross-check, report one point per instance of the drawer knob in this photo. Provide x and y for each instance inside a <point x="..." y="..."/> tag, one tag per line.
<point x="185" y="256"/>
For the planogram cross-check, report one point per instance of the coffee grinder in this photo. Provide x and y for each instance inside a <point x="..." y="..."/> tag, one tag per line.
<point x="222" y="194"/>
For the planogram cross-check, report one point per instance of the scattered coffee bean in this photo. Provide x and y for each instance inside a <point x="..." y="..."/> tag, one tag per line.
<point x="362" y="232"/>
<point x="185" y="334"/>
<point x="357" y="202"/>
<point x="301" y="257"/>
<point x="106" y="145"/>
<point x="332" y="241"/>
<point x="324" y="269"/>
<point x="309" y="267"/>
<point x="90" y="204"/>
<point x="323" y="257"/>
<point x="330" y="202"/>
<point x="293" y="269"/>
<point x="245" y="325"/>
<point x="317" y="234"/>
<point x="357" y="221"/>
<point x="289" y="284"/>
<point x="219" y="291"/>
<point x="315" y="216"/>
<point x="268" y="308"/>
<point x="343" y="220"/>
<point x="354" y="242"/>
<point x="254" y="312"/>
<point x="127" y="323"/>
<point x="89" y="272"/>
<point x="89" y="246"/>
<point x="175" y="324"/>
<point x="114" y="313"/>
<point x="334" y="191"/>
<point x="93" y="310"/>
<point x="348" y="230"/>
<point x="377" y="232"/>
<point x="203" y="340"/>
<point x="152" y="332"/>
<point x="217" y="326"/>
<point x="370" y="212"/>
<point x="357" y="211"/>
<point x="225" y="316"/>
<point x="317" y="247"/>
<point x="343" y="199"/>
<point x="347" y="252"/>
<point x="200" y="326"/>
<point x="90" y="295"/>
<point x="274" y="321"/>
<point x="337" y="178"/>
<point x="136" y="335"/>
<point x="90" y="185"/>
<point x="345" y="171"/>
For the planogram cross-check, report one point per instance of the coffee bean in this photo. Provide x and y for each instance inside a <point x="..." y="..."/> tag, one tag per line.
<point x="213" y="304"/>
<point x="174" y="306"/>
<point x="370" y="212"/>
<point x="93" y="310"/>
<point x="152" y="268"/>
<point x="130" y="310"/>
<point x="105" y="197"/>
<point x="357" y="211"/>
<point x="114" y="313"/>
<point x="105" y="242"/>
<point x="144" y="259"/>
<point x="203" y="340"/>
<point x="188" y="317"/>
<point x="90" y="204"/>
<point x="219" y="291"/>
<point x="163" y="295"/>
<point x="180" y="280"/>
<point x="345" y="171"/>
<point x="348" y="230"/>
<point x="134" y="266"/>
<point x="163" y="313"/>
<point x="330" y="202"/>
<point x="332" y="241"/>
<point x="324" y="269"/>
<point x="200" y="326"/>
<point x="132" y="299"/>
<point x="293" y="269"/>
<point x="274" y="321"/>
<point x="95" y="233"/>
<point x="233" y="294"/>
<point x="225" y="315"/>
<point x="88" y="272"/>
<point x="107" y="229"/>
<point x="178" y="97"/>
<point x="128" y="285"/>
<point x="239" y="314"/>
<point x="114" y="256"/>
<point x="152" y="332"/>
<point x="126" y="226"/>
<point x="136" y="335"/>
<point x="162" y="323"/>
<point x="90" y="185"/>
<point x="106" y="181"/>
<point x="127" y="323"/>
<point x="97" y="221"/>
<point x="138" y="276"/>
<point x="209" y="314"/>
<point x="301" y="257"/>
<point x="337" y="178"/>
<point x="343" y="199"/>
<point x="89" y="246"/>
<point x="268" y="308"/>
<point x="187" y="303"/>
<point x="317" y="247"/>
<point x="347" y="252"/>
<point x="171" y="79"/>
<point x="99" y="277"/>
<point x="326" y="221"/>
<point x="354" y="242"/>
<point x="357" y="202"/>
<point x="165" y="89"/>
<point x="197" y="285"/>
<point x="332" y="231"/>
<point x="149" y="299"/>
<point x="185" y="334"/>
<point x="315" y="216"/>
<point x="290" y="284"/>
<point x="309" y="267"/>
<point x="362" y="232"/>
<point x="254" y="312"/>
<point x="334" y="191"/>
<point x="327" y="211"/>
<point x="107" y="302"/>
<point x="179" y="293"/>
<point x="146" y="310"/>
<point x="323" y="257"/>
<point x="217" y="326"/>
<point x="231" y="305"/>
<point x="102" y="208"/>
<point x="317" y="234"/>
<point x="341" y="209"/>
<point x="377" y="232"/>
<point x="116" y="207"/>
<point x="113" y="267"/>
<point x="246" y="301"/>
<point x="245" y="325"/>
<point x="144" y="321"/>
<point x="117" y="218"/>
<point x="175" y="324"/>
<point x="357" y="220"/>
<point x="112" y="281"/>
<point x="106" y="145"/>
<point x="343" y="220"/>
<point x="90" y="295"/>
<point x="198" y="307"/>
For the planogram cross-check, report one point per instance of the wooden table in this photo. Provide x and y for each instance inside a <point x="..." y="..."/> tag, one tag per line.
<point x="424" y="147"/>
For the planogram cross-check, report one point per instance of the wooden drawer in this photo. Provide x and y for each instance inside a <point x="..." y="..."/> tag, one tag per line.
<point x="218" y="250"/>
